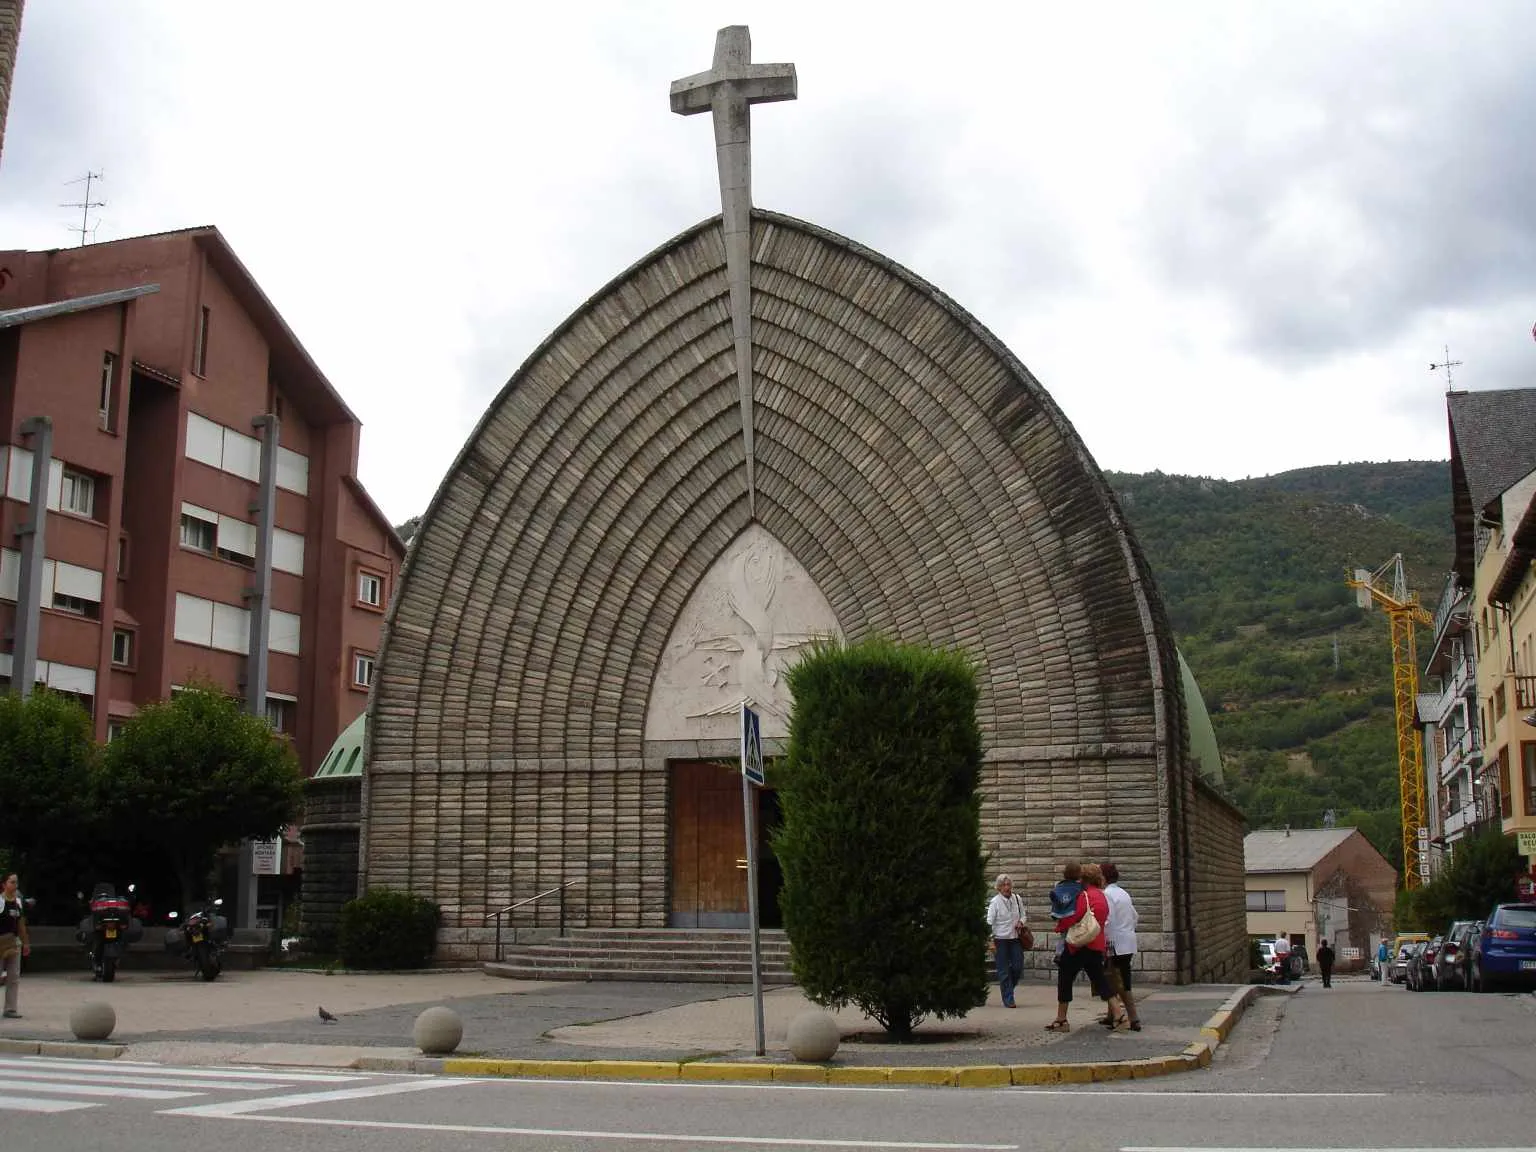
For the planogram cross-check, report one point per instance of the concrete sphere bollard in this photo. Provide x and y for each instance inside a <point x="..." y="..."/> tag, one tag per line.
<point x="93" y="1020"/>
<point x="813" y="1036"/>
<point x="438" y="1030"/>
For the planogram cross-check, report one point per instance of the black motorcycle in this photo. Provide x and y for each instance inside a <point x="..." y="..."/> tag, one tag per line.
<point x="107" y="931"/>
<point x="200" y="940"/>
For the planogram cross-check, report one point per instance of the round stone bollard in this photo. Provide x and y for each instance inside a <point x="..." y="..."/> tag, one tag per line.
<point x="93" y="1020"/>
<point x="813" y="1036"/>
<point x="438" y="1031"/>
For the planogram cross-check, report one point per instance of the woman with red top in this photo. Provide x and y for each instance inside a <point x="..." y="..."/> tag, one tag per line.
<point x="1087" y="957"/>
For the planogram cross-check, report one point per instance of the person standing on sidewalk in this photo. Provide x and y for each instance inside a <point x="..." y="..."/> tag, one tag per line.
<point x="1087" y="953"/>
<point x="1121" y="931"/>
<point x="1005" y="915"/>
<point x="14" y="941"/>
<point x="1325" y="962"/>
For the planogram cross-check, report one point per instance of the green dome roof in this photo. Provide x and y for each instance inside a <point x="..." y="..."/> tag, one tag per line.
<point x="1202" y="737"/>
<point x="346" y="755"/>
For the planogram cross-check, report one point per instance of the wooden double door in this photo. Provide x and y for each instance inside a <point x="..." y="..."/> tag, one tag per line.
<point x="709" y="848"/>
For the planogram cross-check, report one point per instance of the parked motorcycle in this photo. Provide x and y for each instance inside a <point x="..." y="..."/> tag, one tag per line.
<point x="107" y="931"/>
<point x="200" y="940"/>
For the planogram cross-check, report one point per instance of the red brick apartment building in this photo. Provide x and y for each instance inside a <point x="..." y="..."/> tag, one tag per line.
<point x="154" y="357"/>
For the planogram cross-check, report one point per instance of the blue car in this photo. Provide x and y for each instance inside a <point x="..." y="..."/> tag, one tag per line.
<point x="1506" y="949"/>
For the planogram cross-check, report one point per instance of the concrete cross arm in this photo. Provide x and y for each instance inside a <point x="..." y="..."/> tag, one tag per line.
<point x="754" y="83"/>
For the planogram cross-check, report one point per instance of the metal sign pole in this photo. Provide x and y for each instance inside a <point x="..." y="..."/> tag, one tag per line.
<point x="752" y="769"/>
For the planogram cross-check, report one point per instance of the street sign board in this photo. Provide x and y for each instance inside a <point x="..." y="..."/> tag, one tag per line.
<point x="266" y="857"/>
<point x="1525" y="843"/>
<point x="751" y="745"/>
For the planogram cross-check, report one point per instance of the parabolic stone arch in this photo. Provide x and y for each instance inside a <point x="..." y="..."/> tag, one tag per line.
<point x="589" y="595"/>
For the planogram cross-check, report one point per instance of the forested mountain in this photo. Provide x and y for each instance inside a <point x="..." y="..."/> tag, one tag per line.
<point x="1297" y="678"/>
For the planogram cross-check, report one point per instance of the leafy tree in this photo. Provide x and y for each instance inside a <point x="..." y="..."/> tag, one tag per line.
<point x="1481" y="874"/>
<point x="884" y="879"/>
<point x="195" y="772"/>
<point x="47" y="759"/>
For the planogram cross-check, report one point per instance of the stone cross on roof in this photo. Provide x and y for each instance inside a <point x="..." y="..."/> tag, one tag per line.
<point x="728" y="90"/>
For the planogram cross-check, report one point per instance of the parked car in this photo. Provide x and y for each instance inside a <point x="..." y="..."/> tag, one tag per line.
<point x="1507" y="948"/>
<point x="1419" y="965"/>
<point x="1397" y="971"/>
<point x="1451" y="960"/>
<point x="1473" y="968"/>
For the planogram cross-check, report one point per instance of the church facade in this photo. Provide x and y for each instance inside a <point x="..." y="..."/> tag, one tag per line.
<point x="633" y="541"/>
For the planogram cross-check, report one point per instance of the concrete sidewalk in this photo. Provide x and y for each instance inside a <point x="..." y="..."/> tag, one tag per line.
<point x="688" y="1031"/>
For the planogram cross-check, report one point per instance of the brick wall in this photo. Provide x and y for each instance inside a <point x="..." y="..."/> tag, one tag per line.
<point x="332" y="811"/>
<point x="1220" y="930"/>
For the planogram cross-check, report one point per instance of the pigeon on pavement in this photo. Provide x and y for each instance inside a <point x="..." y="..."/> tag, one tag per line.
<point x="325" y="1016"/>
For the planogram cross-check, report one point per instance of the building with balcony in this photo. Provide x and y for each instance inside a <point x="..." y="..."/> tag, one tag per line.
<point x="157" y="380"/>
<point x="1456" y="802"/>
<point x="1493" y="483"/>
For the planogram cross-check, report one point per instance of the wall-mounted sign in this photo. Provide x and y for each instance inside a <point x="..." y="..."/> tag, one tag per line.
<point x="266" y="857"/>
<point x="1525" y="843"/>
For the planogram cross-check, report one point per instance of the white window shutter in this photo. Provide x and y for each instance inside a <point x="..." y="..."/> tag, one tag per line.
<point x="55" y="484"/>
<point x="19" y="475"/>
<point x="231" y="628"/>
<point x="194" y="620"/>
<point x="205" y="441"/>
<point x="283" y="634"/>
<point x="242" y="454"/>
<point x="293" y="471"/>
<point x="237" y="536"/>
<point x="68" y="678"/>
<point x="73" y="580"/>
<point x="287" y="551"/>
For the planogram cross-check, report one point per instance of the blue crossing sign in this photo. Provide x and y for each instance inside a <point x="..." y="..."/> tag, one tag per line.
<point x="751" y="745"/>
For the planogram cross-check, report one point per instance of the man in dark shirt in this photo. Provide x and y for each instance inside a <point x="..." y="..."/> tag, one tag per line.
<point x="1325" y="963"/>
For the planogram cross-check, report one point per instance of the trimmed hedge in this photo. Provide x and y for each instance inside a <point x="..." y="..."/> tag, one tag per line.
<point x="388" y="929"/>
<point x="884" y="877"/>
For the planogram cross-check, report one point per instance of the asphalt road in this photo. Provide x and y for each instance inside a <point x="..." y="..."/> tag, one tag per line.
<point x="1359" y="1066"/>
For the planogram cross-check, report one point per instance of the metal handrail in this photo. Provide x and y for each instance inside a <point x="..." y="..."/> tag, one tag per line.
<point x="510" y="908"/>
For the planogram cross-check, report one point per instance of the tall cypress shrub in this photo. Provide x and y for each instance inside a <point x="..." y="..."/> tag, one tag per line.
<point x="884" y="878"/>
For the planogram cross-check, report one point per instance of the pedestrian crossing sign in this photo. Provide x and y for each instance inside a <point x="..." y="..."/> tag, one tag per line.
<point x="751" y="745"/>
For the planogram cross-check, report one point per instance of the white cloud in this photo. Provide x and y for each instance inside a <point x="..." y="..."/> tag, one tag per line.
<point x="1227" y="238"/>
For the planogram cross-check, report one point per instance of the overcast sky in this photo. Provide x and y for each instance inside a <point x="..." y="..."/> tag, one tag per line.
<point x="1229" y="238"/>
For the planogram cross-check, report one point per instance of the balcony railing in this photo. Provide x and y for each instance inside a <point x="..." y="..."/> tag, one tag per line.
<point x="1450" y="597"/>
<point x="1525" y="692"/>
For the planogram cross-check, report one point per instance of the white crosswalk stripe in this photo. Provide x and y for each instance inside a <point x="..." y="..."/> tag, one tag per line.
<point x="45" y="1085"/>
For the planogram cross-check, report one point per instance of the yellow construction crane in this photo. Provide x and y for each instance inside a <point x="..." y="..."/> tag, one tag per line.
<point x="1403" y="611"/>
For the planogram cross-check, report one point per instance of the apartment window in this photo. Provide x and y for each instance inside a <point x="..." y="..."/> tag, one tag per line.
<point x="1453" y="796"/>
<point x="1506" y="800"/>
<point x="108" y="370"/>
<point x="280" y="713"/>
<point x="1267" y="901"/>
<point x="77" y="493"/>
<point x="199" y="534"/>
<point x="76" y="605"/>
<point x="1499" y="707"/>
<point x="362" y="670"/>
<point x="1528" y="773"/>
<point x="122" y="555"/>
<point x="115" y="729"/>
<point x="122" y="647"/>
<point x="200" y="348"/>
<point x="370" y="589"/>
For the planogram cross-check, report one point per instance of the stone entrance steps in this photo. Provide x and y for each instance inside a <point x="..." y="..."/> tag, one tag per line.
<point x="664" y="955"/>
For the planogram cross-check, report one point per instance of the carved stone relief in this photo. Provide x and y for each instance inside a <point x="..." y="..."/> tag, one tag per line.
<point x="742" y="627"/>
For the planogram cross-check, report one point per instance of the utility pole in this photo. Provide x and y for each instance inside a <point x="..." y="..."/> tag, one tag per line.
<point x="85" y="206"/>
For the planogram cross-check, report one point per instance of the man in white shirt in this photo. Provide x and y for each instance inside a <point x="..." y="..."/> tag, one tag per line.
<point x="1121" y="935"/>
<point x="1283" y="956"/>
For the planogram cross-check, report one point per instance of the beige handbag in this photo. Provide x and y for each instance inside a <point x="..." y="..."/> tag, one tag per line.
<point x="1085" y="930"/>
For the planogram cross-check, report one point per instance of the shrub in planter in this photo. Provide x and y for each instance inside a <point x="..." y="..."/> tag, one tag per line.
<point x="387" y="929"/>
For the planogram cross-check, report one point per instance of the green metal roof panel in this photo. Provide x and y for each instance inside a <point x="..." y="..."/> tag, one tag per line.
<point x="346" y="755"/>
<point x="1202" y="736"/>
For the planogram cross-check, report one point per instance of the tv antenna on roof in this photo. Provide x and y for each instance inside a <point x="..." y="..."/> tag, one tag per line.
<point x="85" y="206"/>
<point x="1447" y="364"/>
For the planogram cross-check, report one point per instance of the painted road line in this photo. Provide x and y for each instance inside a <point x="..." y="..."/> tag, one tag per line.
<point x="34" y="1104"/>
<point x="1113" y="1093"/>
<point x="245" y="1107"/>
<point x="676" y="1139"/>
<point x="1203" y="1148"/>
<point x="48" y="1076"/>
<point x="148" y="1069"/>
<point x="111" y="1090"/>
